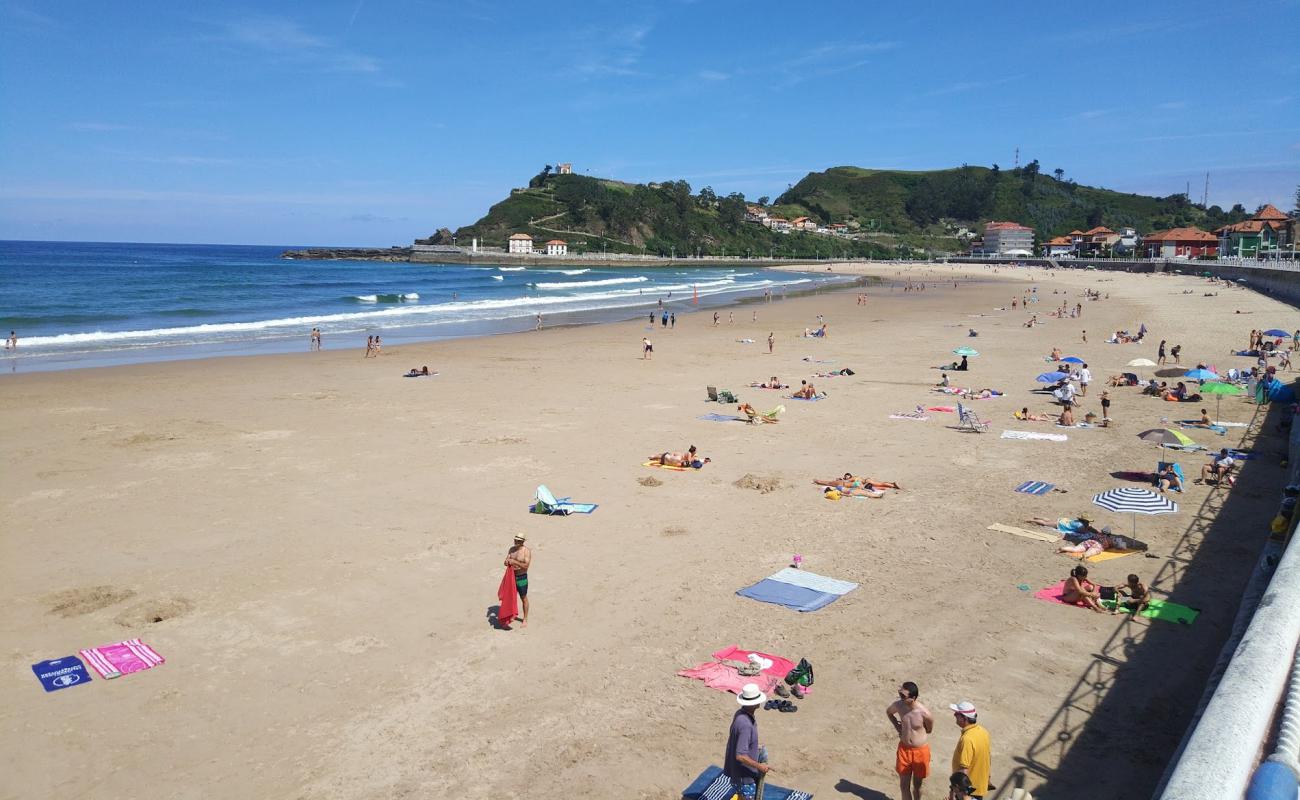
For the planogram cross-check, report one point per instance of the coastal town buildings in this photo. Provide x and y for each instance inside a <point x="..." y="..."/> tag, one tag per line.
<point x="1264" y="233"/>
<point x="1058" y="246"/>
<point x="1180" y="243"/>
<point x="778" y="224"/>
<point x="557" y="247"/>
<point x="521" y="243"/>
<point x="1008" y="239"/>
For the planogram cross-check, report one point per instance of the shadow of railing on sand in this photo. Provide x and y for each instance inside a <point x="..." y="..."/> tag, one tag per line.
<point x="1123" y="719"/>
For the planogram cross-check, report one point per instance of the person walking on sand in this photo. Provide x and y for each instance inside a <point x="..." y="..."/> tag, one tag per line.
<point x="518" y="558"/>
<point x="647" y="349"/>
<point x="715" y="319"/>
<point x="539" y="321"/>
<point x="370" y="346"/>
<point x="1160" y="353"/>
<point x="914" y="724"/>
<point x="973" y="755"/>
<point x="672" y="321"/>
<point x="731" y="318"/>
<point x="1085" y="378"/>
<point x="741" y="763"/>
<point x="771" y="341"/>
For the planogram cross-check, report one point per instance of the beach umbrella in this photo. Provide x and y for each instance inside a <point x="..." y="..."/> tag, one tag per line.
<point x="1142" y="362"/>
<point x="1165" y="437"/>
<point x="1072" y="360"/>
<point x="1276" y="332"/>
<point x="1219" y="390"/>
<point x="1199" y="374"/>
<point x="1051" y="377"/>
<point x="1131" y="500"/>
<point x="966" y="351"/>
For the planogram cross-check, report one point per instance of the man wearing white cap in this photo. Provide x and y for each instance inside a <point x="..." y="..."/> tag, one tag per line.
<point x="741" y="763"/>
<point x="973" y="755"/>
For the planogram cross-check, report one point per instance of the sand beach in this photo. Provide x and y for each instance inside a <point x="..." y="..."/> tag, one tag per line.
<point x="314" y="544"/>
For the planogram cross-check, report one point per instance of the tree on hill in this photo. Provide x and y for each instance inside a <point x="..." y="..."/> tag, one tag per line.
<point x="1058" y="173"/>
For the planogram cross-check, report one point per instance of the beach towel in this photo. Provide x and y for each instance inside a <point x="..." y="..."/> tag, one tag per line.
<point x="725" y="678"/>
<point x="780" y="666"/>
<point x="1042" y="536"/>
<point x="811" y="580"/>
<point x="1035" y="487"/>
<point x="1048" y="437"/>
<point x="121" y="658"/>
<point x="913" y="415"/>
<point x="721" y="418"/>
<point x="1219" y="429"/>
<point x="60" y="673"/>
<point x="653" y="465"/>
<point x="508" y="596"/>
<point x="783" y="594"/>
<point x="1164" y="611"/>
<point x="712" y="784"/>
<point x="815" y="397"/>
<point x="943" y="409"/>
<point x="1105" y="555"/>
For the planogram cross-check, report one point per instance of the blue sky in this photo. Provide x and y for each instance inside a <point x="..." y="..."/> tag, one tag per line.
<point x="371" y="122"/>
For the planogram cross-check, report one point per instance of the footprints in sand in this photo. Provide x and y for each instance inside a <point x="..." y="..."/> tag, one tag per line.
<point x="359" y="644"/>
<point x="89" y="599"/>
<point x="495" y="440"/>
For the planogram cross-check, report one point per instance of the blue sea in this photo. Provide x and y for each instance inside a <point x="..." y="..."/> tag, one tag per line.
<point x="77" y="304"/>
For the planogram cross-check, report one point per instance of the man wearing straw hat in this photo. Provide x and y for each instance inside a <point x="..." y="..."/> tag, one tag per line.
<point x="518" y="559"/>
<point x="741" y="763"/>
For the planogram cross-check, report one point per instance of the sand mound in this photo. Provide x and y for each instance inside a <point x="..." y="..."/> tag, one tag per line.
<point x="75" y="602"/>
<point x="151" y="612"/>
<point x="650" y="480"/>
<point x="762" y="484"/>
<point x="674" y="530"/>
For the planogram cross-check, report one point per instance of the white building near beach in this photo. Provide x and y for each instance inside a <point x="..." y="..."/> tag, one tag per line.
<point x="557" y="247"/>
<point x="521" y="243"/>
<point x="1008" y="239"/>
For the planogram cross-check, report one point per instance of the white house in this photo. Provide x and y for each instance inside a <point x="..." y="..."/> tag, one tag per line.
<point x="521" y="243"/>
<point x="780" y="224"/>
<point x="557" y="247"/>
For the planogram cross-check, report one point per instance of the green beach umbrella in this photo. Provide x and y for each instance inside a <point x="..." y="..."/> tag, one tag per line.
<point x="1219" y="390"/>
<point x="1164" y="437"/>
<point x="966" y="351"/>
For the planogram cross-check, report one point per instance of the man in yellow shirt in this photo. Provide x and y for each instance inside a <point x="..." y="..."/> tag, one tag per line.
<point x="973" y="755"/>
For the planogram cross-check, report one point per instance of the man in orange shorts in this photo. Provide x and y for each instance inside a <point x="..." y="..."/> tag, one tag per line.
<point x="914" y="725"/>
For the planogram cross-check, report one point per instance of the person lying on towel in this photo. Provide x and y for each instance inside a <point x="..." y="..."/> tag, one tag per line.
<point x="835" y="493"/>
<point x="688" y="459"/>
<point x="850" y="481"/>
<point x="1023" y="414"/>
<point x="771" y="383"/>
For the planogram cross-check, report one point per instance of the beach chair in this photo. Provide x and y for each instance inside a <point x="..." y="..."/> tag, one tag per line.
<point x="968" y="421"/>
<point x="713" y="392"/>
<point x="548" y="503"/>
<point x="1178" y="470"/>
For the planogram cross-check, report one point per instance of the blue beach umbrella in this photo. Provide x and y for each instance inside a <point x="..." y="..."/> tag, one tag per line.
<point x="1051" y="377"/>
<point x="1276" y="332"/>
<point x="1072" y="360"/>
<point x="1200" y="375"/>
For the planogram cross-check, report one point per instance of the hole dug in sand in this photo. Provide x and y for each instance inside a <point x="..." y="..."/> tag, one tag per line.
<point x="759" y="482"/>
<point x="151" y="612"/>
<point x="87" y="599"/>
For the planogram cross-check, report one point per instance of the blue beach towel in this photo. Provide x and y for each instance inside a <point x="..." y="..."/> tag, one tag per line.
<point x="1035" y="487"/>
<point x="720" y="418"/>
<point x="783" y="594"/>
<point x="809" y="399"/>
<point x="713" y="785"/>
<point x="60" y="673"/>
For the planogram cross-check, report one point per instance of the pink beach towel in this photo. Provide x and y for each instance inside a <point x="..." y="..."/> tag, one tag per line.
<point x="944" y="409"/>
<point x="780" y="666"/>
<point x="1052" y="594"/>
<point x="724" y="677"/>
<point x="122" y="658"/>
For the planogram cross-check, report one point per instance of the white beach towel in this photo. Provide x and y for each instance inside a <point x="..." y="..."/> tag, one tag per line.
<point x="911" y="416"/>
<point x="1048" y="437"/>
<point x="811" y="580"/>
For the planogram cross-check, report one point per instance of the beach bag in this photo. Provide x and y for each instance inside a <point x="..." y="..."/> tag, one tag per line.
<point x="726" y="396"/>
<point x="801" y="674"/>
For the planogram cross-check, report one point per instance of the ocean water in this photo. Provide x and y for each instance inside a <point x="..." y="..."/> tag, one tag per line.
<point x="75" y="304"/>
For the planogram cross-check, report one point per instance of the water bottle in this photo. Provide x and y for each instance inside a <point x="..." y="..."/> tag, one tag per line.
<point x="762" y="754"/>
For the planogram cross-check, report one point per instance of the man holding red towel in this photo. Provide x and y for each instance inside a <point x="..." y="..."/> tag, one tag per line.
<point x="517" y="560"/>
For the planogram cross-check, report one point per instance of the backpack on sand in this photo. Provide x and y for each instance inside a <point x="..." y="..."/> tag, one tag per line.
<point x="802" y="674"/>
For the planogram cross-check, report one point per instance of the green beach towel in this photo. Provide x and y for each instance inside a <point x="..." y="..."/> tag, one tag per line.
<point x="1163" y="610"/>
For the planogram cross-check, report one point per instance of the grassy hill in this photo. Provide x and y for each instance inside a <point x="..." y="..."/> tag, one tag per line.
<point x="892" y="212"/>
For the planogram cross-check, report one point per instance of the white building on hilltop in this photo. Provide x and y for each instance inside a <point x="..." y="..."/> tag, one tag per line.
<point x="557" y="247"/>
<point x="521" y="243"/>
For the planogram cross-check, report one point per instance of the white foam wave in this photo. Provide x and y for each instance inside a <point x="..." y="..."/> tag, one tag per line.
<point x="574" y="271"/>
<point x="512" y="269"/>
<point x="368" y="298"/>
<point x="584" y="284"/>
<point x="410" y="296"/>
<point x="498" y="277"/>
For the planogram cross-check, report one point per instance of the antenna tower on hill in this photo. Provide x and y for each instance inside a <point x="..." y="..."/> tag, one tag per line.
<point x="1017" y="159"/>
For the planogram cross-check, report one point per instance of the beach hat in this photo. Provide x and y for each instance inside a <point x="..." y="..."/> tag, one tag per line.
<point x="966" y="708"/>
<point x="751" y="696"/>
<point x="519" y="537"/>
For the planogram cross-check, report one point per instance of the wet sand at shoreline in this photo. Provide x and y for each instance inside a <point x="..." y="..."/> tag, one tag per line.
<point x="314" y="543"/>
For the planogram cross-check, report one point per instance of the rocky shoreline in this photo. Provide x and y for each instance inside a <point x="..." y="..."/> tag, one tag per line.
<point x="349" y="254"/>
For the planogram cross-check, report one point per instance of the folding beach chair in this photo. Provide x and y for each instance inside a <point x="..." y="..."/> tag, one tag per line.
<point x="547" y="503"/>
<point x="1178" y="470"/>
<point x="713" y="392"/>
<point x="968" y="421"/>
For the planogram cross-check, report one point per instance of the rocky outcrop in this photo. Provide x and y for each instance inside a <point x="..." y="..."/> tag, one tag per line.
<point x="443" y="236"/>
<point x="350" y="254"/>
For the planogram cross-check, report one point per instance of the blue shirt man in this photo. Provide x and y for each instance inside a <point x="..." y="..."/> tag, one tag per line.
<point x="741" y="763"/>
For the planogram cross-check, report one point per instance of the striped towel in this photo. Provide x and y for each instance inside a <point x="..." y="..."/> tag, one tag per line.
<point x="1035" y="487"/>
<point x="919" y="417"/>
<point x="1047" y="437"/>
<point x="121" y="658"/>
<point x="811" y="580"/>
<point x="720" y="789"/>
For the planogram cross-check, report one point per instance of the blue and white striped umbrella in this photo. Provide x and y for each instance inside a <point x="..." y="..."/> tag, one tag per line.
<point x="1131" y="500"/>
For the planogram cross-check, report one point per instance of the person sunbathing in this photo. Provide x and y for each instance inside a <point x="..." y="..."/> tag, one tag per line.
<point x="418" y="373"/>
<point x="806" y="390"/>
<point x="1081" y="591"/>
<point x="1137" y="596"/>
<point x="1167" y="478"/>
<point x="1023" y="414"/>
<point x="671" y="459"/>
<point x="943" y="380"/>
<point x="982" y="394"/>
<point x="771" y="383"/>
<point x="1056" y="354"/>
<point x="1067" y="417"/>
<point x="850" y="481"/>
<point x="752" y="415"/>
<point x="1204" y="421"/>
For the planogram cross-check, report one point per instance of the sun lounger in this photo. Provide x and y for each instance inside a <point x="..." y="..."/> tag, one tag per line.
<point x="547" y="503"/>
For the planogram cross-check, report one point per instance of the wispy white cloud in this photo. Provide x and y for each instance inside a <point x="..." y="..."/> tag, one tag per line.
<point x="306" y="198"/>
<point x="100" y="127"/>
<point x="1092" y="113"/>
<point x="284" y="40"/>
<point x="21" y="15"/>
<point x="1173" y="137"/>
<point x="971" y="86"/>
<point x="601" y="52"/>
<point x="829" y="59"/>
<point x="713" y="75"/>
